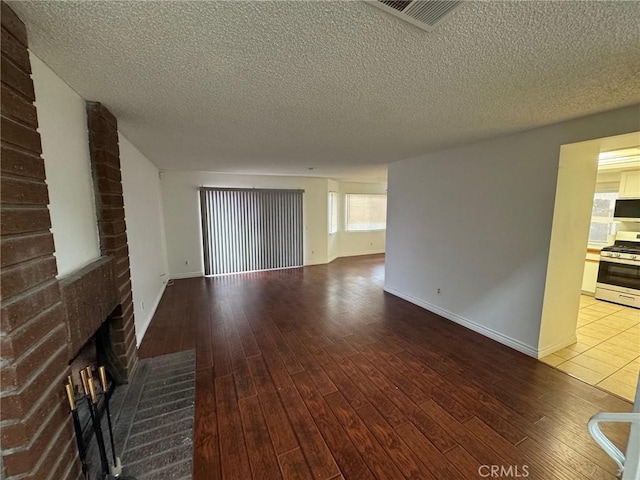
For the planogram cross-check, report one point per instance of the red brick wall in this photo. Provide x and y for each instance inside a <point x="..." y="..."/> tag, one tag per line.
<point x="105" y="162"/>
<point x="37" y="436"/>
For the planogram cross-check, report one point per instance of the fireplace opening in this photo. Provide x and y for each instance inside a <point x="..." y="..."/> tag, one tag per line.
<point x="106" y="354"/>
<point x="97" y="351"/>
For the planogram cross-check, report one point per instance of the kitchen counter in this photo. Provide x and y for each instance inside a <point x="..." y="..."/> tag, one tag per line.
<point x="590" y="274"/>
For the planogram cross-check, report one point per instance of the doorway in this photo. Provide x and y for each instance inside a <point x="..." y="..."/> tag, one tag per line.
<point x="594" y="340"/>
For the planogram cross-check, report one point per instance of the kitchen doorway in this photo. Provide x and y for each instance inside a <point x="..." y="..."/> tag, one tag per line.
<point x="587" y="331"/>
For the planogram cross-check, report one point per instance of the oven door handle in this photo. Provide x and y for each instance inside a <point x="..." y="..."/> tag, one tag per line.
<point x="624" y="261"/>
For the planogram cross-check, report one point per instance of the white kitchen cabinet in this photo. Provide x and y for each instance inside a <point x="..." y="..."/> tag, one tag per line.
<point x="590" y="274"/>
<point x="629" y="184"/>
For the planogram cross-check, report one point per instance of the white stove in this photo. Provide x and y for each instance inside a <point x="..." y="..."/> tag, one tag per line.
<point x="619" y="271"/>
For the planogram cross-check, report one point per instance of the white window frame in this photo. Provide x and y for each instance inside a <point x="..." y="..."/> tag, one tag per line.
<point x="605" y="220"/>
<point x="346" y="214"/>
<point x="333" y="211"/>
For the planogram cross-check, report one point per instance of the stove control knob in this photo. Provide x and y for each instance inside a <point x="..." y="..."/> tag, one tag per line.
<point x="635" y="257"/>
<point x="616" y="255"/>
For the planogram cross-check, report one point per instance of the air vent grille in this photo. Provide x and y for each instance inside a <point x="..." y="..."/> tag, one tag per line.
<point x="425" y="14"/>
<point x="399" y="5"/>
<point x="430" y="11"/>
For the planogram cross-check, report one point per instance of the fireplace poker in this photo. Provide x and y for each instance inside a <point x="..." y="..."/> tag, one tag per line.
<point x="92" y="400"/>
<point x="116" y="469"/>
<point x="82" y="450"/>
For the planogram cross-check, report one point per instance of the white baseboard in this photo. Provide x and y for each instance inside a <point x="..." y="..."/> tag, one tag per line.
<point x="331" y="259"/>
<point x="178" y="276"/>
<point x="140" y="335"/>
<point x="543" y="352"/>
<point x="487" y="332"/>
<point x="310" y="263"/>
<point x="361" y="252"/>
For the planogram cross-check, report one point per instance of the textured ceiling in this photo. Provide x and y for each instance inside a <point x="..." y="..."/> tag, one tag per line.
<point x="278" y="87"/>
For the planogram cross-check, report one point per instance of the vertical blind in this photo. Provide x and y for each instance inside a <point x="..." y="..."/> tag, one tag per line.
<point x="250" y="229"/>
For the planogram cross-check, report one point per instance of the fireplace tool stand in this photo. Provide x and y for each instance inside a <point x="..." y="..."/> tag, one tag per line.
<point x="108" y="471"/>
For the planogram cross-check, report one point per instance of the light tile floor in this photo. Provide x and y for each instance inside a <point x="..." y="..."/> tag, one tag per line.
<point x="607" y="353"/>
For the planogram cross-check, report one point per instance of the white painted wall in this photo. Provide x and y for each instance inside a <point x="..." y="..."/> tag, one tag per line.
<point x="145" y="233"/>
<point x="359" y="243"/>
<point x="182" y="214"/>
<point x="62" y="123"/>
<point x="476" y="221"/>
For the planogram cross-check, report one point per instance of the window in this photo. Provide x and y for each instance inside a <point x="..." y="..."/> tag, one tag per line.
<point x="602" y="217"/>
<point x="366" y="212"/>
<point x="333" y="213"/>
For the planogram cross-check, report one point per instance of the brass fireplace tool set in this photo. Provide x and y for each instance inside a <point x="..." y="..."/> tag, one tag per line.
<point x="91" y="396"/>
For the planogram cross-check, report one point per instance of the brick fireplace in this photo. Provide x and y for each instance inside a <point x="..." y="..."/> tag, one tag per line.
<point x="45" y="320"/>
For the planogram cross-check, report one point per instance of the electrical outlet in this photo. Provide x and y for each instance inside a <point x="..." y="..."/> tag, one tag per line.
<point x="142" y="304"/>
<point x="439" y="292"/>
<point x="186" y="262"/>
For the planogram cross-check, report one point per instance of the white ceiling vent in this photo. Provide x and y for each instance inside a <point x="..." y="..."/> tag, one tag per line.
<point x="425" y="14"/>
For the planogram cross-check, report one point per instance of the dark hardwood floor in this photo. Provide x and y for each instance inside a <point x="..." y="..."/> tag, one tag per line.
<point x="317" y="373"/>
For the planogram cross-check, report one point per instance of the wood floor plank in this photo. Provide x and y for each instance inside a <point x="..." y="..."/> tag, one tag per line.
<point x="276" y="366"/>
<point x="289" y="359"/>
<point x="571" y="441"/>
<point x="359" y="340"/>
<point x="262" y="456"/>
<point x="451" y="406"/>
<point x="220" y="349"/>
<point x="373" y="454"/>
<point x="243" y="379"/>
<point x="280" y="430"/>
<point x="310" y="364"/>
<point x="347" y="457"/>
<point x="428" y="377"/>
<point x="249" y="344"/>
<point x="234" y="345"/>
<point x="204" y="354"/>
<point x="431" y="429"/>
<point x="499" y="419"/>
<point x="400" y="376"/>
<point x="567" y="410"/>
<point x="233" y="453"/>
<point x="339" y="350"/>
<point x="551" y="468"/>
<point x="408" y="462"/>
<point x="463" y="437"/>
<point x="295" y="363"/>
<point x="294" y="466"/>
<point x="389" y="411"/>
<point x="433" y="459"/>
<point x="318" y="455"/>
<point x="206" y="448"/>
<point x="345" y="386"/>
<point x="466" y="464"/>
